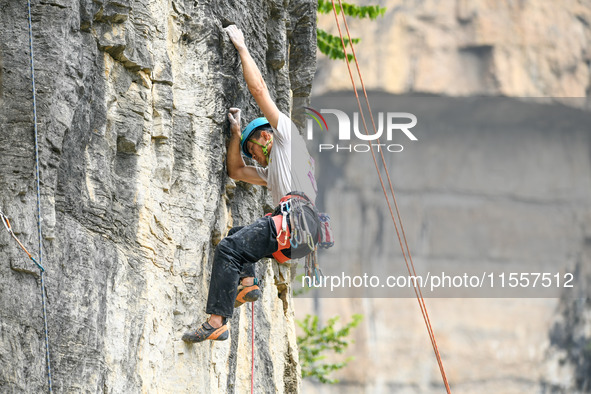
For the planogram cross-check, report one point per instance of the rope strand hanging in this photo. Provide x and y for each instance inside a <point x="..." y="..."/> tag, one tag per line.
<point x="38" y="184"/>
<point x="405" y="249"/>
<point x="252" y="349"/>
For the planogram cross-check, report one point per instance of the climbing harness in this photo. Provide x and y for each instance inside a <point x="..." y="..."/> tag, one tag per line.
<point x="293" y="229"/>
<point x="405" y="249"/>
<point x="294" y="212"/>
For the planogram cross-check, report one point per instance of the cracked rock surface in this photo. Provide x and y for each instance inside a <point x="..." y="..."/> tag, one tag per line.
<point x="132" y="99"/>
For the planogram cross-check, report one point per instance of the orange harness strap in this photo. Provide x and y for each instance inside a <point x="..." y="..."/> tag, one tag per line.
<point x="283" y="236"/>
<point x="282" y="239"/>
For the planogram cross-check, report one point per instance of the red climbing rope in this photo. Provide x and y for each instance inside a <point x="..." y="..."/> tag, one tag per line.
<point x="252" y="347"/>
<point x="405" y="249"/>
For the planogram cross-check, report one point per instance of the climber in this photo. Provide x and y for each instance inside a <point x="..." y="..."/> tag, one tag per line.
<point x="285" y="165"/>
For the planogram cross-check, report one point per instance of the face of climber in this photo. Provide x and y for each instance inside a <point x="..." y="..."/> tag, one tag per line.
<point x="257" y="149"/>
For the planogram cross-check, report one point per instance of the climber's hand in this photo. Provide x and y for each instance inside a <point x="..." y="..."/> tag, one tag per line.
<point x="236" y="36"/>
<point x="234" y="118"/>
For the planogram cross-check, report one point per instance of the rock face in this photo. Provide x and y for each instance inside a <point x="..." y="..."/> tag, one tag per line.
<point x="132" y="101"/>
<point x="534" y="48"/>
<point x="568" y="358"/>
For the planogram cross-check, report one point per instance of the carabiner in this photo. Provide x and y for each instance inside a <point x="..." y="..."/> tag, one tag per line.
<point x="310" y="242"/>
<point x="285" y="240"/>
<point x="5" y="222"/>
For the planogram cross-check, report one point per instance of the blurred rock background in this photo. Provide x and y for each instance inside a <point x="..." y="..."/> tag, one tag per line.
<point x="529" y="48"/>
<point x="472" y="194"/>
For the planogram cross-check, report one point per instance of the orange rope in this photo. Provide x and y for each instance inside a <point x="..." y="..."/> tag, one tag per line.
<point x="417" y="287"/>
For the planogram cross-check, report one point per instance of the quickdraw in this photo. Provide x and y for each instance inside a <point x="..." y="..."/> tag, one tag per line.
<point x="311" y="267"/>
<point x="301" y="233"/>
<point x="8" y="227"/>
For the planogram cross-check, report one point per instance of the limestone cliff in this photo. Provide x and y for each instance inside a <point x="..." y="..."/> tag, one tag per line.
<point x="132" y="101"/>
<point x="534" y="48"/>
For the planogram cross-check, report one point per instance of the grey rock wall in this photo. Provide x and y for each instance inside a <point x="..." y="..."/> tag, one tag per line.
<point x="132" y="101"/>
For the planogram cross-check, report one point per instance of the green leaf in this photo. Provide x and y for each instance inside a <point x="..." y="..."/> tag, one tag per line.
<point x="332" y="46"/>
<point x="317" y="341"/>
<point x="371" y="11"/>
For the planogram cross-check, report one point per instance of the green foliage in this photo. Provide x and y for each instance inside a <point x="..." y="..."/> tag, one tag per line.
<point x="370" y="11"/>
<point x="331" y="45"/>
<point x="317" y="341"/>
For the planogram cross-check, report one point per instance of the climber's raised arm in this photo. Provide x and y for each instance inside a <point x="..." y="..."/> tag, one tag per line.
<point x="252" y="75"/>
<point x="237" y="169"/>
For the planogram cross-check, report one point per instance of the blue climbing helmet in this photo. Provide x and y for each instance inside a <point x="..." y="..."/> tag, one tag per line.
<point x="248" y="130"/>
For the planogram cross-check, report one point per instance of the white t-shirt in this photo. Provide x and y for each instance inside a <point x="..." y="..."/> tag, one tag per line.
<point x="290" y="168"/>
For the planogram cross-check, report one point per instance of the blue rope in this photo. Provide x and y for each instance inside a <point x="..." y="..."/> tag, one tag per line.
<point x="47" y="355"/>
<point x="38" y="265"/>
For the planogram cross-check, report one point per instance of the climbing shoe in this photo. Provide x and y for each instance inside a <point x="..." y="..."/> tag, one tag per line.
<point x="206" y="331"/>
<point x="247" y="293"/>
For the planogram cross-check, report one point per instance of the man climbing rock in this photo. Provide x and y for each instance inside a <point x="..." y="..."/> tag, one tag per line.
<point x="287" y="170"/>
